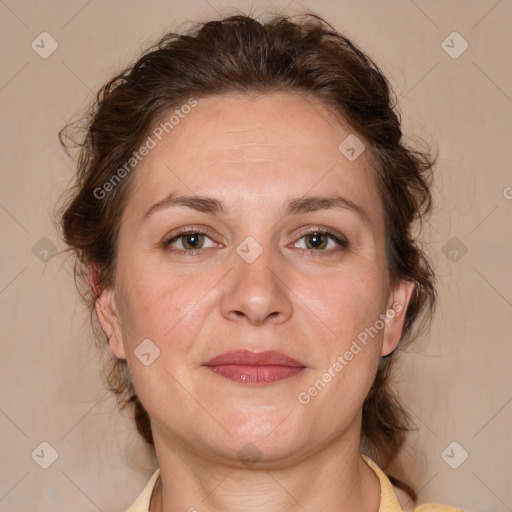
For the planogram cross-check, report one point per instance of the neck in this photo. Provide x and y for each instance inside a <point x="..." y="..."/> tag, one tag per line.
<point x="335" y="479"/>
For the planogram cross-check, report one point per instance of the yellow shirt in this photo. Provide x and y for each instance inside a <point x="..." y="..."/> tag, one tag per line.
<point x="388" y="499"/>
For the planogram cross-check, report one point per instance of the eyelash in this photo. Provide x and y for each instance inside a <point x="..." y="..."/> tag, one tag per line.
<point x="341" y="241"/>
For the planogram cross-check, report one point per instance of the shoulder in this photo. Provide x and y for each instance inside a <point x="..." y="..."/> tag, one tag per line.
<point x="436" y="507"/>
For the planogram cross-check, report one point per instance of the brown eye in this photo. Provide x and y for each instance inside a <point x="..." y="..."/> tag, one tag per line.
<point x="318" y="240"/>
<point x="190" y="241"/>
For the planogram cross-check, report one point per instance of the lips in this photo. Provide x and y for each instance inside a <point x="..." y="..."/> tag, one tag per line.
<point x="250" y="367"/>
<point x="249" y="358"/>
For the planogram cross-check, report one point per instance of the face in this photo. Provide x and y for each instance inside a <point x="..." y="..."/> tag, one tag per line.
<point x="263" y="267"/>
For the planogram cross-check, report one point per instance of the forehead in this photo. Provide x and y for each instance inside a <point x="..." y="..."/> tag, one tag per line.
<point x="240" y="125"/>
<point x="244" y="149"/>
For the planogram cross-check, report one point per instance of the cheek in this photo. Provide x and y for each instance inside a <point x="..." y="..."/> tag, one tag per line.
<point x="351" y="305"/>
<point x="155" y="303"/>
<point x="349" y="301"/>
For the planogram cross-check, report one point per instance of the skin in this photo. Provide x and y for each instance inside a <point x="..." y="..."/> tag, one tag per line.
<point x="254" y="154"/>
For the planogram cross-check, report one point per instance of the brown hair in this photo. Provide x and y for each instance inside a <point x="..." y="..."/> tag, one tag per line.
<point x="240" y="54"/>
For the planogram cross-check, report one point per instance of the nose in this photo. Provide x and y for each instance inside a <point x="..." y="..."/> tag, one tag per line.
<point x="257" y="292"/>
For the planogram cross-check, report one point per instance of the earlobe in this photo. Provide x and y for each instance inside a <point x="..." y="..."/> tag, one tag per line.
<point x="395" y="315"/>
<point x="108" y="317"/>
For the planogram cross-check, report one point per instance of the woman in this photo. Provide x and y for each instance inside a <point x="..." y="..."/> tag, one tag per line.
<point x="242" y="222"/>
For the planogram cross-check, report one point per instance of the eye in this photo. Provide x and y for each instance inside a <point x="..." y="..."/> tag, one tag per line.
<point x="318" y="240"/>
<point x="191" y="241"/>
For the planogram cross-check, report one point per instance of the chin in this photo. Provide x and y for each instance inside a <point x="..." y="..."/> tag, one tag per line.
<point x="264" y="439"/>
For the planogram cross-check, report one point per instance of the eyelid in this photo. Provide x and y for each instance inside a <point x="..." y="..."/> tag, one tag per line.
<point x="185" y="231"/>
<point x="323" y="230"/>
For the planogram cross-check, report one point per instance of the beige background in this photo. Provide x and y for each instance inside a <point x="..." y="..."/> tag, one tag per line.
<point x="457" y="383"/>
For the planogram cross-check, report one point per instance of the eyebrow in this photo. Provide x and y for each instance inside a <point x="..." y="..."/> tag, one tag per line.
<point x="295" y="206"/>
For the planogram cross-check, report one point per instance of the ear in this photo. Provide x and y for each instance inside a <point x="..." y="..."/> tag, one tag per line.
<point x="110" y="322"/>
<point x="395" y="315"/>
